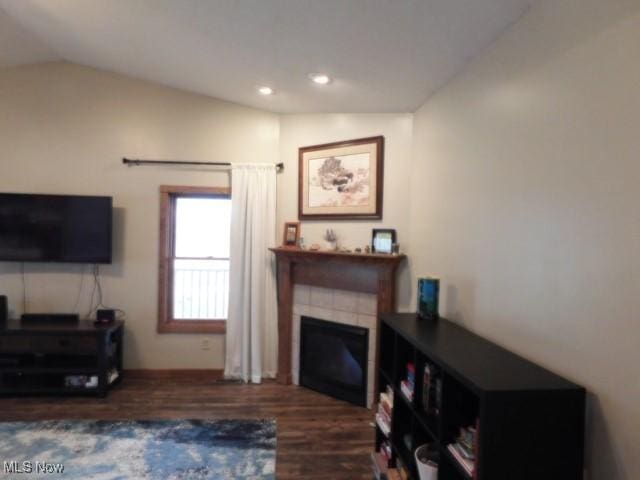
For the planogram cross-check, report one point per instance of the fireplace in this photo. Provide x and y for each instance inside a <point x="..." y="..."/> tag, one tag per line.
<point x="350" y="288"/>
<point x="334" y="359"/>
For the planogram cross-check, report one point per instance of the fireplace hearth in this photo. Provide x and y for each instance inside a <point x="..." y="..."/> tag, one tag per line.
<point x="334" y="359"/>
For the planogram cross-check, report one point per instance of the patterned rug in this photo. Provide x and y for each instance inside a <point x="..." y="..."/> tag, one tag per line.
<point x="138" y="450"/>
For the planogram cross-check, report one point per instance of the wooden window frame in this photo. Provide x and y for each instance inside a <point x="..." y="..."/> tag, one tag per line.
<point x="166" y="322"/>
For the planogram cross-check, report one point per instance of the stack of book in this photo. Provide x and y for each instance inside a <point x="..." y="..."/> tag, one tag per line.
<point x="408" y="385"/>
<point x="385" y="411"/>
<point x="464" y="449"/>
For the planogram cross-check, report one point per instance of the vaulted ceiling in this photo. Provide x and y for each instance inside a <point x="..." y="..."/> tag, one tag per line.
<point x="382" y="55"/>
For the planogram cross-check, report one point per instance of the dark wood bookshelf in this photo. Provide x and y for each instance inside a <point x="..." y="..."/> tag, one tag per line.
<point x="41" y="357"/>
<point x="530" y="421"/>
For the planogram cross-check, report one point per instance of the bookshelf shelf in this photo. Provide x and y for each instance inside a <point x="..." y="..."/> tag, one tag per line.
<point x="507" y="412"/>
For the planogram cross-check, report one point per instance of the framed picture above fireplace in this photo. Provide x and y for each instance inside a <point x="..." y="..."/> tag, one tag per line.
<point x="341" y="180"/>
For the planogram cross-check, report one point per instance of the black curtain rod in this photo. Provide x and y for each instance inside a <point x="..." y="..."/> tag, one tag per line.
<point x="137" y="162"/>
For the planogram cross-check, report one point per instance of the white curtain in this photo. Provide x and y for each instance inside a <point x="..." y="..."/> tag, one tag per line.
<point x="252" y="340"/>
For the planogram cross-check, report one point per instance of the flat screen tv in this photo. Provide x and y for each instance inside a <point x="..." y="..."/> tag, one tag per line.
<point x="55" y="228"/>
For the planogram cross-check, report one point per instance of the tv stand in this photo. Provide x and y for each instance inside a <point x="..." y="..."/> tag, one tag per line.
<point x="50" y="357"/>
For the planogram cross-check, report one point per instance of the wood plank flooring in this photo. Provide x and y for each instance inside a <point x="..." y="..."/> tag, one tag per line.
<point x="318" y="437"/>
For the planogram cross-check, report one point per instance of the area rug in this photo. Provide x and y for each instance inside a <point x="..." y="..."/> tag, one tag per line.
<point x="139" y="450"/>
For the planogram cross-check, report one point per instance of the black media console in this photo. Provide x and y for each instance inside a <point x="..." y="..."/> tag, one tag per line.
<point x="51" y="357"/>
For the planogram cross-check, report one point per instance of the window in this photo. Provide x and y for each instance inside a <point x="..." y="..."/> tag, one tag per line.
<point x="195" y="227"/>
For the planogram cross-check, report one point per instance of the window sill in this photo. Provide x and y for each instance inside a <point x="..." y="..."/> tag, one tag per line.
<point x="193" y="326"/>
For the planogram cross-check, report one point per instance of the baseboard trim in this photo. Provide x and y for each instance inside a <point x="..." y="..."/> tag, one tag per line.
<point x="176" y="374"/>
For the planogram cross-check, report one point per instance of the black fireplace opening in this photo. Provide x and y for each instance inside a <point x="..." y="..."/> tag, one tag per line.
<point x="333" y="359"/>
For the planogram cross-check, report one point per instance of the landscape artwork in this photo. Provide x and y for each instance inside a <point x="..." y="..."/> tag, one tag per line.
<point x="341" y="180"/>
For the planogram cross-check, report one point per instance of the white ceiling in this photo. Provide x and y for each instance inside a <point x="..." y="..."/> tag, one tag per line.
<point x="384" y="55"/>
<point x="18" y="46"/>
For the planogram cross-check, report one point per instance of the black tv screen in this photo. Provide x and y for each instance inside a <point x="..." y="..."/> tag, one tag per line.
<point x="55" y="228"/>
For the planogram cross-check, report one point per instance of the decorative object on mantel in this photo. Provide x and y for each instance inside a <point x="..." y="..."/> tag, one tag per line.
<point x="382" y="240"/>
<point x="314" y="247"/>
<point x="367" y="249"/>
<point x="358" y="250"/>
<point x="341" y="180"/>
<point x="291" y="234"/>
<point x="428" y="295"/>
<point x="331" y="240"/>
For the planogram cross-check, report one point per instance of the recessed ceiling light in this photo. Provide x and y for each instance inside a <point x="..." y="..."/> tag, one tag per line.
<point x="320" y="78"/>
<point x="265" y="91"/>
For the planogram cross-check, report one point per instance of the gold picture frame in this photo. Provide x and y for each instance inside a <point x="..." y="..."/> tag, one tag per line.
<point x="291" y="234"/>
<point x="341" y="180"/>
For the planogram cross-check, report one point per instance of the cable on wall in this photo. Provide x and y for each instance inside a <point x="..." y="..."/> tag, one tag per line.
<point x="80" y="288"/>
<point x="97" y="296"/>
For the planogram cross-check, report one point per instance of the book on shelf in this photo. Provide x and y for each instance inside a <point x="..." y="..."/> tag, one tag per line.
<point x="386" y="403"/>
<point x="466" y="464"/>
<point x="465" y="447"/>
<point x="385" y="411"/>
<point x="406" y="390"/>
<point x="408" y="385"/>
<point x="386" y="451"/>
<point x="383" y="425"/>
<point x="411" y="372"/>
<point x="431" y="389"/>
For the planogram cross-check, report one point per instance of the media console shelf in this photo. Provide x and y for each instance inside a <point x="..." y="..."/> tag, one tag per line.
<point x="60" y="357"/>
<point x="529" y="421"/>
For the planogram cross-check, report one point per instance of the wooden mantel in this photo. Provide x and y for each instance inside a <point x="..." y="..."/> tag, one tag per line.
<point x="368" y="273"/>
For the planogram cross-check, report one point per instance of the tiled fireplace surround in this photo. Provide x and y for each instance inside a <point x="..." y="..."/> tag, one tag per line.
<point x="341" y="306"/>
<point x="341" y="287"/>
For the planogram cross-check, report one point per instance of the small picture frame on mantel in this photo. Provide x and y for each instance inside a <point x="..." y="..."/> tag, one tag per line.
<point x="291" y="235"/>
<point x="382" y="240"/>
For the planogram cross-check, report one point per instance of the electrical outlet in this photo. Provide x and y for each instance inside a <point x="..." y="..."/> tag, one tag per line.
<point x="205" y="344"/>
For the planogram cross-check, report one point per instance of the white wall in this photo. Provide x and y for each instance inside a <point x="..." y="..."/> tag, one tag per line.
<point x="64" y="129"/>
<point x="525" y="201"/>
<point x="303" y="130"/>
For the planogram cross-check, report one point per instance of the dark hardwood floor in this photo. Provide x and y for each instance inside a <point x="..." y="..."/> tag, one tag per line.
<point x="318" y="437"/>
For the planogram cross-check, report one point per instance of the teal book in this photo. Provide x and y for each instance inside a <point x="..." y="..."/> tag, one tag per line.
<point x="428" y="295"/>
